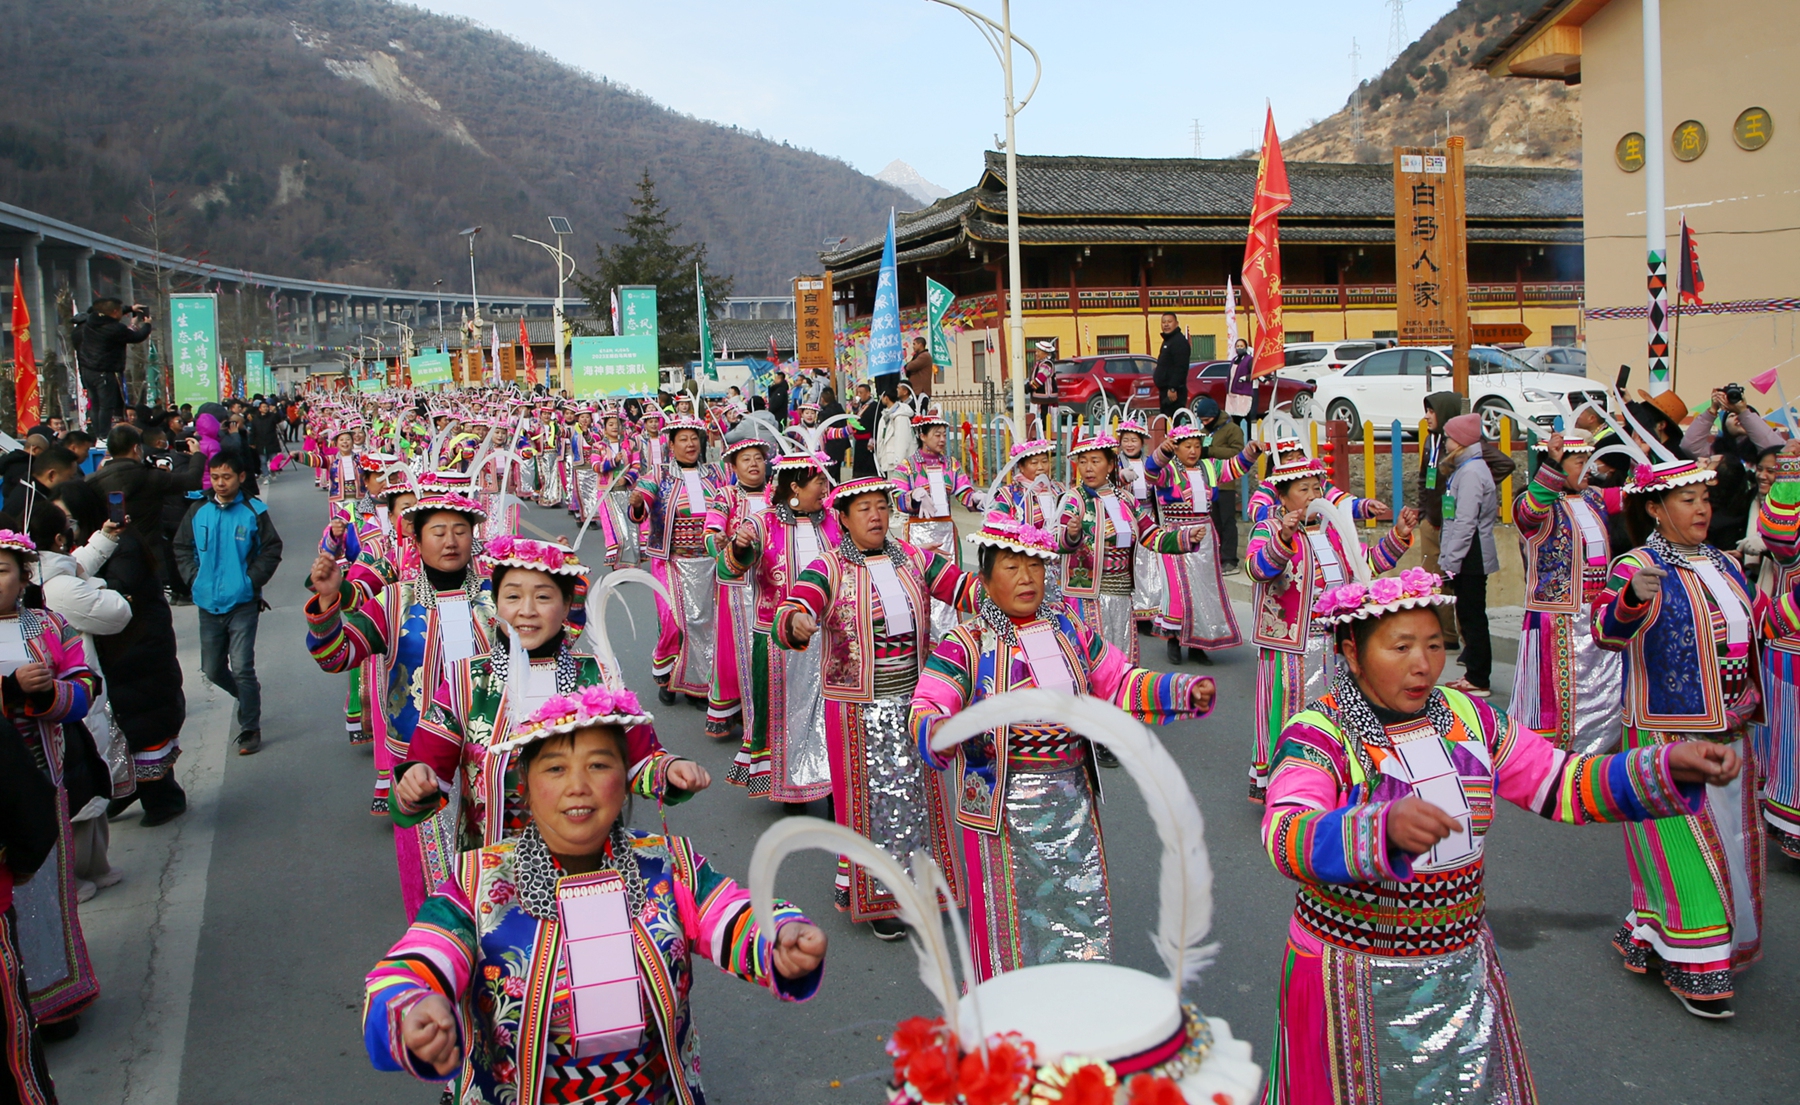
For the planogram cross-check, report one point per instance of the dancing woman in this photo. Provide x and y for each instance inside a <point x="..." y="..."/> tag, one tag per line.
<point x="739" y="502"/>
<point x="1198" y="615"/>
<point x="871" y="597"/>
<point x="1023" y="799"/>
<point x="1379" y="807"/>
<point x="1687" y="623"/>
<point x="486" y="987"/>
<point x="672" y="499"/>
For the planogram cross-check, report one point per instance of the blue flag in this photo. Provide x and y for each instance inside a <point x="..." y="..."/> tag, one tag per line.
<point x="885" y="354"/>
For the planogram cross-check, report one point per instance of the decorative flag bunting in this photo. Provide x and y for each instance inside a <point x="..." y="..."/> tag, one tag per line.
<point x="1689" y="282"/>
<point x="885" y="354"/>
<point x="25" y="376"/>
<point x="1262" y="252"/>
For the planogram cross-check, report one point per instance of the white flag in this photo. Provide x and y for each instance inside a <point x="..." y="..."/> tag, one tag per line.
<point x="1231" y="337"/>
<point x="496" y="371"/>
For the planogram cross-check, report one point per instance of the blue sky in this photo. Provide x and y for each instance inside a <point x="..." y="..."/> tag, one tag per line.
<point x="873" y="80"/>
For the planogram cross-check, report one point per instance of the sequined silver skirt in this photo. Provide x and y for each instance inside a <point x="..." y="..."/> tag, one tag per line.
<point x="1051" y="856"/>
<point x="803" y="757"/>
<point x="899" y="816"/>
<point x="696" y="578"/>
<point x="1149" y="584"/>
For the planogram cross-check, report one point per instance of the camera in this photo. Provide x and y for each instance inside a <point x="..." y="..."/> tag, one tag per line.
<point x="1734" y="394"/>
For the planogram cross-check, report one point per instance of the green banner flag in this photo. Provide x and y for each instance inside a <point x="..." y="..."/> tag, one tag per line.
<point x="429" y="369"/>
<point x="937" y="301"/>
<point x="706" y="349"/>
<point x="637" y="311"/>
<point x="612" y="368"/>
<point x="194" y="336"/>
<point x="256" y="374"/>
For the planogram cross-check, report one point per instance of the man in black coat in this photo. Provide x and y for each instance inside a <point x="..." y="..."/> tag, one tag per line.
<point x="778" y="397"/>
<point x="1172" y="362"/>
<point x="145" y="486"/>
<point x="100" y="340"/>
<point x="867" y="410"/>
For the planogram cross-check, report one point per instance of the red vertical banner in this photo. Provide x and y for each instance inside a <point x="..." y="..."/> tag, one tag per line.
<point x="531" y="377"/>
<point x="25" y="377"/>
<point x="1262" y="251"/>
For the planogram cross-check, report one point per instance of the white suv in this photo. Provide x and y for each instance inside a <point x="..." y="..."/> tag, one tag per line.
<point x="1311" y="361"/>
<point x="1392" y="384"/>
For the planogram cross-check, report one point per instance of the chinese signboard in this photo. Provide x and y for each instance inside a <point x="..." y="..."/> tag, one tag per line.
<point x="194" y="334"/>
<point x="937" y="300"/>
<point x="815" y="343"/>
<point x="429" y="369"/>
<point x="601" y="368"/>
<point x="256" y="374"/>
<point x="637" y="311"/>
<point x="1431" y="250"/>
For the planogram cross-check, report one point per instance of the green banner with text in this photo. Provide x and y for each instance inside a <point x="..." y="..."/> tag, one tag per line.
<point x="429" y="369"/>
<point x="937" y="301"/>
<point x="612" y="368"/>
<point x="194" y="338"/>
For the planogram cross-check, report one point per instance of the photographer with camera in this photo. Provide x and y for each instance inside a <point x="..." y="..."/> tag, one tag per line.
<point x="1742" y="436"/>
<point x="101" y="336"/>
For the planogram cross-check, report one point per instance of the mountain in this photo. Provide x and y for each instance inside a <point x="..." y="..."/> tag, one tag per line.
<point x="908" y="180"/>
<point x="351" y="139"/>
<point x="1507" y="121"/>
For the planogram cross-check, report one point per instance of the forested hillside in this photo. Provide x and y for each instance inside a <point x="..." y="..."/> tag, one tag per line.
<point x="351" y="139"/>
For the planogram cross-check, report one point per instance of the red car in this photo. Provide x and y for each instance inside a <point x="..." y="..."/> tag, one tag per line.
<point x="1210" y="378"/>
<point x="1089" y="384"/>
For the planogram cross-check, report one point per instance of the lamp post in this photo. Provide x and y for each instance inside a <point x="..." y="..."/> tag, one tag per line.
<point x="565" y="268"/>
<point x="1000" y="38"/>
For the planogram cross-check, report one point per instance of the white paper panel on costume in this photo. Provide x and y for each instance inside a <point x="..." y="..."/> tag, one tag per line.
<point x="1435" y="779"/>
<point x="540" y="685"/>
<point x="1326" y="554"/>
<point x="1049" y="667"/>
<point x="455" y="629"/>
<point x="1199" y="491"/>
<point x="940" y="503"/>
<point x="806" y="544"/>
<point x="1593" y="533"/>
<point x="696" y="493"/>
<point x="1048" y="507"/>
<point x="1122" y="535"/>
<point x="1737" y="619"/>
<point x="13" y="650"/>
<point x="894" y="604"/>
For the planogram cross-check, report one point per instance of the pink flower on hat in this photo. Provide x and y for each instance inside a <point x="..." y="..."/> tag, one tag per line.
<point x="1418" y="581"/>
<point x="1386" y="589"/>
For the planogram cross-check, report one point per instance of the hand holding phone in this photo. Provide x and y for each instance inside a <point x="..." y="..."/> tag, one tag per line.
<point x="115" y="507"/>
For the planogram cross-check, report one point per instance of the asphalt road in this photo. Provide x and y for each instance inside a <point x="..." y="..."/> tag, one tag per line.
<point x="298" y="898"/>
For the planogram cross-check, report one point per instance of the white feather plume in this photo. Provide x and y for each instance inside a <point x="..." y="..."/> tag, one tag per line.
<point x="918" y="900"/>
<point x="518" y="674"/>
<point x="1185" y="914"/>
<point x="594" y="636"/>
<point x="1339" y="518"/>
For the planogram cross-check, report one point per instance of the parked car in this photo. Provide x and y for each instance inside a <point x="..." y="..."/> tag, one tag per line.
<point x="1554" y="358"/>
<point x="1211" y="378"/>
<point x="1311" y="360"/>
<point x="1393" y="383"/>
<point x="1090" y="384"/>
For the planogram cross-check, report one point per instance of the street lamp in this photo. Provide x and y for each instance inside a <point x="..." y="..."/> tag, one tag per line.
<point x="565" y="268"/>
<point x="1000" y="38"/>
<point x="474" y="334"/>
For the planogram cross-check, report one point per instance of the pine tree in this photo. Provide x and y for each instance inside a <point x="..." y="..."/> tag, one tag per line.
<point x="648" y="254"/>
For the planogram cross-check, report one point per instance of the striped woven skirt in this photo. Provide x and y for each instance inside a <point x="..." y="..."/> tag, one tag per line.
<point x="1285" y="683"/>
<point x="1777" y="747"/>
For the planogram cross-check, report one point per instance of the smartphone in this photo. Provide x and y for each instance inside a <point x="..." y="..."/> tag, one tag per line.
<point x="115" y="507"/>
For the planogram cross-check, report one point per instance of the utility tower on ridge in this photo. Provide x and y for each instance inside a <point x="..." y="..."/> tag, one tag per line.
<point x="1356" y="116"/>
<point x="1198" y="133"/>
<point x="1397" y="37"/>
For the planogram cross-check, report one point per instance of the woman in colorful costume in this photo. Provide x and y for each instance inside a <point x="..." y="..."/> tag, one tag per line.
<point x="737" y="504"/>
<point x="1379" y="806"/>
<point x="927" y="481"/>
<point x="417" y="627"/>
<point x="539" y="592"/>
<point x="784" y="755"/>
<point x="1566" y="687"/>
<point x="1292" y="561"/>
<point x="1024" y="800"/>
<point x="1032" y="496"/>
<point x="1149" y="583"/>
<point x="502" y="982"/>
<point x="673" y="499"/>
<point x="614" y="458"/>
<point x="582" y="481"/>
<point x="1267" y="497"/>
<point x="1102" y="528"/>
<point x="50" y="684"/>
<point x="1776" y="740"/>
<point x="1198" y="614"/>
<point x="553" y="484"/>
<point x="871" y="596"/>
<point x="1688" y="624"/>
<point x="337" y="464"/>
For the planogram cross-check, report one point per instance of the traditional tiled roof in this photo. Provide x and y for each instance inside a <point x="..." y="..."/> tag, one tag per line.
<point x="1081" y="200"/>
<point x="750" y="336"/>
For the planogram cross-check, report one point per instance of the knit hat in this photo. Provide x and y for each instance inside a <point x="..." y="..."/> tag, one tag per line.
<point x="1464" y="429"/>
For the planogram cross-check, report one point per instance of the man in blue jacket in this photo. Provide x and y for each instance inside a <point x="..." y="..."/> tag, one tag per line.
<point x="227" y="550"/>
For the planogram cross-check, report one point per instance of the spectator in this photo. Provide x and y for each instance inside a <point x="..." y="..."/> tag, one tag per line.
<point x="265" y="430"/>
<point x="62" y="574"/>
<point x="228" y="550"/>
<point x="145" y="486"/>
<point x="16" y="465"/>
<point x="1471" y="506"/>
<point x="1041" y="385"/>
<point x="778" y="397"/>
<point x="58" y="426"/>
<point x="1172" y="362"/>
<point x="894" y="438"/>
<point x="79" y="442"/>
<point x="920" y="370"/>
<point x="100" y="341"/>
<point x="140" y="662"/>
<point x="829" y="408"/>
<point x="29" y="830"/>
<point x="1224" y="440"/>
<point x="1240" y="390"/>
<point x="187" y="466"/>
<point x="868" y="412"/>
<point x="1743" y="436"/>
<point x="1434" y="476"/>
<point x="48" y="468"/>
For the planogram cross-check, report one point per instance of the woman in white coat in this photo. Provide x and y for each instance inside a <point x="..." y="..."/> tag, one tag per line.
<point x="894" y="440"/>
